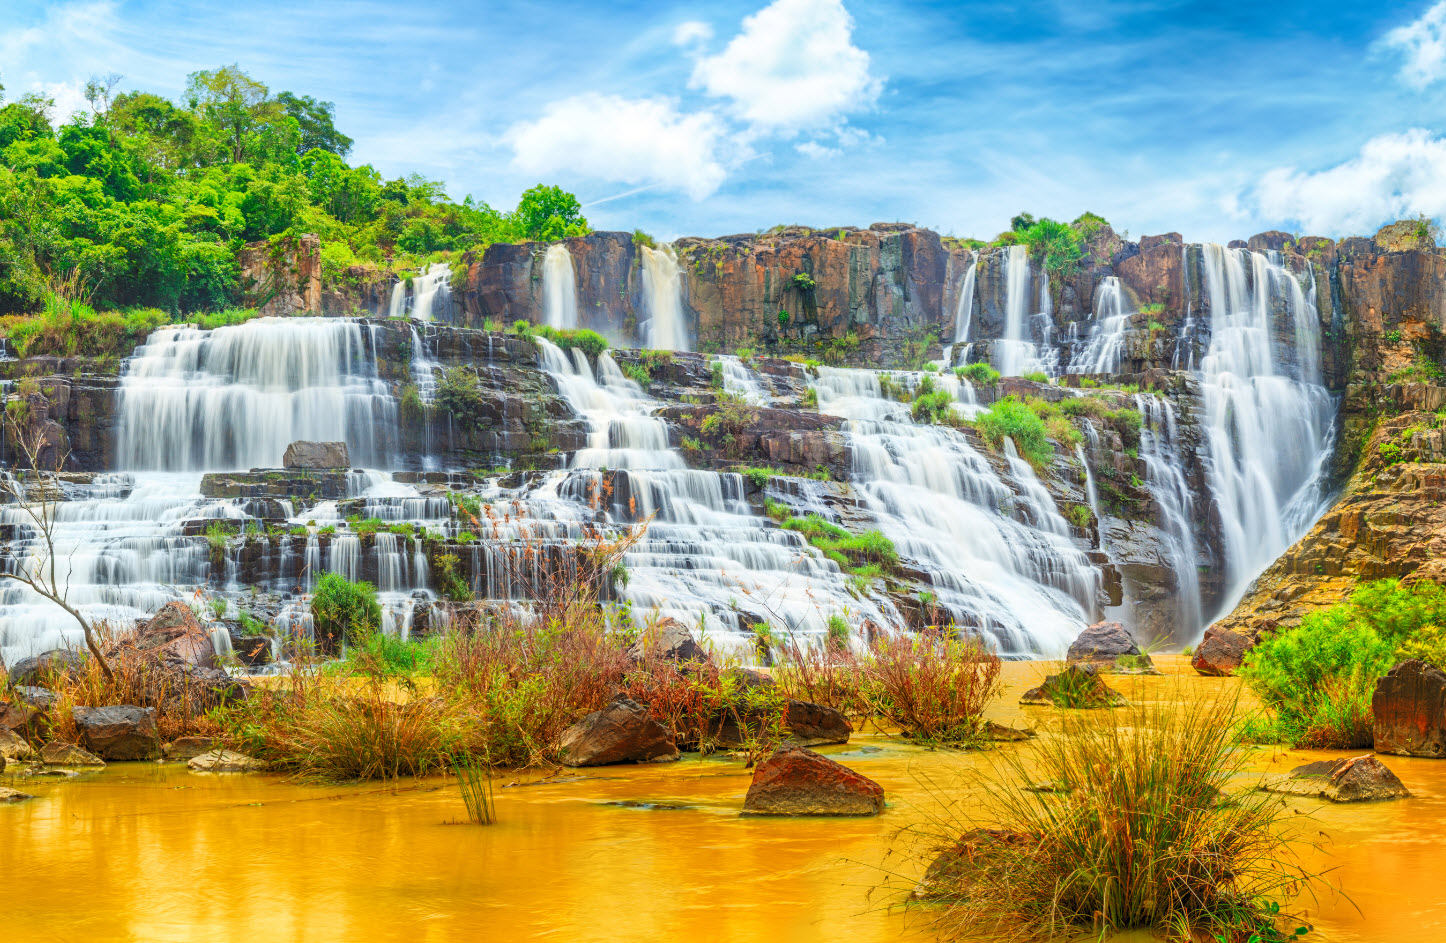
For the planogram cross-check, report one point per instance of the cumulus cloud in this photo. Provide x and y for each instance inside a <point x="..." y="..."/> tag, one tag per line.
<point x="1422" y="44"/>
<point x="1395" y="175"/>
<point x="692" y="32"/>
<point x="792" y="67"/>
<point x="639" y="141"/>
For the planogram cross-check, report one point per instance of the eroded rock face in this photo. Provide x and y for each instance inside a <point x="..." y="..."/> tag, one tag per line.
<point x="56" y="753"/>
<point x="225" y="761"/>
<point x="1077" y="686"/>
<point x="1362" y="779"/>
<point x="622" y="732"/>
<point x="1220" y="652"/>
<point x="320" y="455"/>
<point x="284" y="277"/>
<point x="797" y="781"/>
<point x="1409" y="710"/>
<point x="119" y="732"/>
<point x="175" y="636"/>
<point x="1103" y="645"/>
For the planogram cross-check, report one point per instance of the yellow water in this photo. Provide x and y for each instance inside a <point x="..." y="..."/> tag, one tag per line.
<point x="151" y="852"/>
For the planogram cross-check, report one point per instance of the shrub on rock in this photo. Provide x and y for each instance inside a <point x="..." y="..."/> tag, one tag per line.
<point x="1104" y="645"/>
<point x="1077" y="686"/>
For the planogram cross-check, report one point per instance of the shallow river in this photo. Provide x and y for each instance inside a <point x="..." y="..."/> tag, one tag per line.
<point x="151" y="852"/>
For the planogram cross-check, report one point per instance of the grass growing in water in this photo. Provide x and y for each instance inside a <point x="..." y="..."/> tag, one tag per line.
<point x="474" y="780"/>
<point x="1139" y="836"/>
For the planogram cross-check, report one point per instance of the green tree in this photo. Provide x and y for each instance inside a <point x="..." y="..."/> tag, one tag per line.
<point x="316" y="119"/>
<point x="547" y="213"/>
<point x="238" y="105"/>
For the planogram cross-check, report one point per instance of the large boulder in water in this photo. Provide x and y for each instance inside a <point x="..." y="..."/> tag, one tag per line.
<point x="38" y="669"/>
<point x="1103" y="645"/>
<point x="120" y="732"/>
<point x="1409" y="710"/>
<point x="1077" y="686"/>
<point x="1362" y="779"/>
<point x="797" y="781"/>
<point x="1220" y="652"/>
<point x="318" y="455"/>
<point x="622" y="732"/>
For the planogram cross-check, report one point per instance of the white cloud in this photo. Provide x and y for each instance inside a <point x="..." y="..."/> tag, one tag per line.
<point x="1423" y="45"/>
<point x="691" y="32"/>
<point x="816" y="150"/>
<point x="1395" y="175"/>
<point x="69" y="97"/>
<point x="636" y="141"/>
<point x="793" y="67"/>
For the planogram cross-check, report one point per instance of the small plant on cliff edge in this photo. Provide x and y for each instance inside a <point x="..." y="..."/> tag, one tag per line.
<point x="978" y="373"/>
<point x="1010" y="418"/>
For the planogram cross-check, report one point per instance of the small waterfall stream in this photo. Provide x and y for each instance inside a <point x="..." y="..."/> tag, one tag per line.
<point x="1106" y="344"/>
<point x="663" y="292"/>
<point x="559" y="288"/>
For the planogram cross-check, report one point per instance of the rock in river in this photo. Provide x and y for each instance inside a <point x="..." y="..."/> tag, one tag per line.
<point x="1077" y="686"/>
<point x="798" y="781"/>
<point x="1409" y="710"/>
<point x="13" y="795"/>
<point x="1220" y="652"/>
<point x="1103" y="645"/>
<point x="56" y="753"/>
<point x="119" y="733"/>
<point x="1362" y="779"/>
<point x="622" y="732"/>
<point x="225" y="761"/>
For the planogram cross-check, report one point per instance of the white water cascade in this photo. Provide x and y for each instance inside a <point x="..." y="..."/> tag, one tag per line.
<point x="235" y="397"/>
<point x="1015" y="353"/>
<point x="1106" y="344"/>
<point x="432" y="292"/>
<point x="1269" y="418"/>
<point x="559" y="288"/>
<point x="1161" y="451"/>
<point x="663" y="292"/>
<point x="964" y="310"/>
<point x="995" y="548"/>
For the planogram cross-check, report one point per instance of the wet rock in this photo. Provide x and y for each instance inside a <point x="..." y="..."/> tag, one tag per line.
<point x="622" y="732"/>
<point x="12" y="747"/>
<point x="797" y="781"/>
<point x="1220" y="652"/>
<point x="1362" y="779"/>
<point x="1077" y="686"/>
<point x="121" y="732"/>
<point x="1104" y="645"/>
<point x="13" y="795"/>
<point x="669" y="639"/>
<point x="56" y="753"/>
<point x="225" y="761"/>
<point x="40" y="668"/>
<point x="811" y="724"/>
<point x="174" y="636"/>
<point x="1409" y="710"/>
<point x="321" y="455"/>
<point x="185" y="748"/>
<point x="42" y="699"/>
<point x="999" y="733"/>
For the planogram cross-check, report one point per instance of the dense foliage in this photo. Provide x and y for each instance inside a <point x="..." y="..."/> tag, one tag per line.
<point x="144" y="202"/>
<point x="1317" y="679"/>
<point x="341" y="609"/>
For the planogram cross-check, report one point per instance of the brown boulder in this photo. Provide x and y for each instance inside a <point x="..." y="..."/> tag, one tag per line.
<point x="121" y="732"/>
<point x="320" y="455"/>
<point x="999" y="733"/>
<point x="1220" y="652"/>
<point x="225" y="761"/>
<point x="38" y="669"/>
<point x="797" y="781"/>
<point x="175" y="636"/>
<point x="1362" y="779"/>
<point x="1103" y="645"/>
<point x="12" y="747"/>
<point x="16" y="715"/>
<point x="1409" y="710"/>
<point x="185" y="748"/>
<point x="808" y="725"/>
<point x="56" y="753"/>
<point x="622" y="732"/>
<point x="669" y="639"/>
<point x="1077" y="686"/>
<point x="13" y="795"/>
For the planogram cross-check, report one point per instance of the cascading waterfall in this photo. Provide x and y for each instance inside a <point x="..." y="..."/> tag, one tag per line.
<point x="663" y="293"/>
<point x="1102" y="353"/>
<point x="964" y="310"/>
<point x="1269" y="418"/>
<point x="997" y="551"/>
<point x="559" y="288"/>
<point x="1160" y="450"/>
<point x="432" y="291"/>
<point x="235" y="397"/>
<point x="1015" y="353"/>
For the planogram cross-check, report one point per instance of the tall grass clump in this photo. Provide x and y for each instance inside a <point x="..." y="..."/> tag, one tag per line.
<point x="1010" y="418"/>
<point x="933" y="686"/>
<point x="1142" y="831"/>
<point x="1316" y="680"/>
<point x="474" y="781"/>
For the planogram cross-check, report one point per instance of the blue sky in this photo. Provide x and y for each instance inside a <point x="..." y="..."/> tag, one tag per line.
<point x="1216" y="120"/>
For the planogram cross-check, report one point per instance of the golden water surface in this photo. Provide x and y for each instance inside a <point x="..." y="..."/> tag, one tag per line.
<point x="152" y="852"/>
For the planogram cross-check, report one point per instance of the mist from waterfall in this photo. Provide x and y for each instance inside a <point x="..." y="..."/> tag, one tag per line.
<point x="559" y="288"/>
<point x="663" y="296"/>
<point x="1268" y="416"/>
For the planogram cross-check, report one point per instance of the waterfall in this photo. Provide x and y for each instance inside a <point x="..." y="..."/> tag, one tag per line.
<point x="1268" y="417"/>
<point x="559" y="288"/>
<point x="431" y="290"/>
<point x="740" y="381"/>
<point x="235" y="397"/>
<point x="964" y="310"/>
<point x="1106" y="343"/>
<point x="994" y="547"/>
<point x="1161" y="451"/>
<point x="1015" y="353"/>
<point x="663" y="292"/>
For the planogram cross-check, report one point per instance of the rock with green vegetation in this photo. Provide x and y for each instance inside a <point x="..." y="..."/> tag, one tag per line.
<point x="13" y="747"/>
<point x="59" y="753"/>
<point x="1109" y="647"/>
<point x="1360" y="779"/>
<point x="37" y="669"/>
<point x="1076" y="687"/>
<point x="622" y="732"/>
<point x="1001" y="733"/>
<point x="184" y="748"/>
<point x="795" y="780"/>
